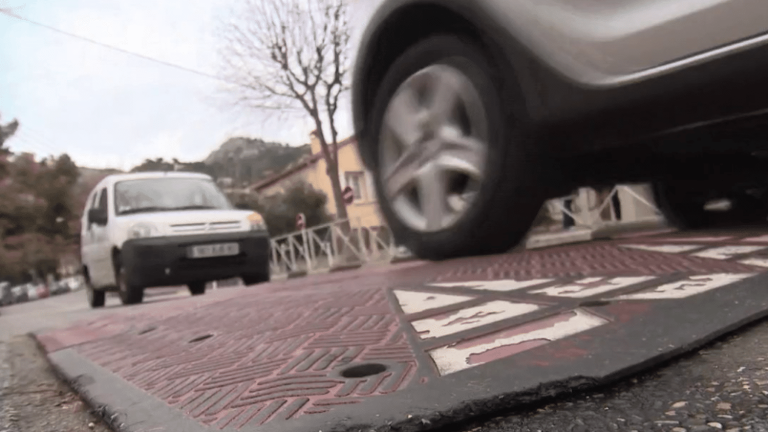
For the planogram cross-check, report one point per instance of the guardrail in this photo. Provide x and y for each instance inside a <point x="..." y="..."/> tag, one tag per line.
<point x="592" y="217"/>
<point x="342" y="243"/>
<point x="330" y="245"/>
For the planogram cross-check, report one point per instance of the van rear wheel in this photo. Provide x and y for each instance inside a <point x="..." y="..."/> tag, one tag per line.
<point x="96" y="298"/>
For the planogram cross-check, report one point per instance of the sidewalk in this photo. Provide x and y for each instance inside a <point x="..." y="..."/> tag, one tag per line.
<point x="414" y="346"/>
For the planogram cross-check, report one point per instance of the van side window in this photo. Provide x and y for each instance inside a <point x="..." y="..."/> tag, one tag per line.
<point x="94" y="200"/>
<point x="103" y="199"/>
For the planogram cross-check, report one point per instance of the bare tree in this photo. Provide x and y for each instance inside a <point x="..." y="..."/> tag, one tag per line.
<point x="288" y="55"/>
<point x="7" y="131"/>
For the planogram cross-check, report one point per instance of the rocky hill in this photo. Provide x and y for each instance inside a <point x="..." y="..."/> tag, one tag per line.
<point x="248" y="160"/>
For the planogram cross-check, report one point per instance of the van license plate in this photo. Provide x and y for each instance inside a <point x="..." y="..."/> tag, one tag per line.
<point x="213" y="250"/>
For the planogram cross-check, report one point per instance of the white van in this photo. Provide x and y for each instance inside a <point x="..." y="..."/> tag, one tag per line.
<point x="167" y="228"/>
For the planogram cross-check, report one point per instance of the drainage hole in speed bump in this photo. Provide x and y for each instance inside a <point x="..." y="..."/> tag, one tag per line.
<point x="201" y="338"/>
<point x="595" y="303"/>
<point x="363" y="370"/>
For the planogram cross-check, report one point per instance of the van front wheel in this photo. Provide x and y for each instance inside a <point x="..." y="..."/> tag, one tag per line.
<point x="129" y="293"/>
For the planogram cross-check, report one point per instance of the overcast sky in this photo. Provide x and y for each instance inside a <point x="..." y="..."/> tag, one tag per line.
<point x="108" y="109"/>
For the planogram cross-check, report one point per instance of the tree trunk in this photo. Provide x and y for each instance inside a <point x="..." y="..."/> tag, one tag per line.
<point x="333" y="173"/>
<point x="331" y="156"/>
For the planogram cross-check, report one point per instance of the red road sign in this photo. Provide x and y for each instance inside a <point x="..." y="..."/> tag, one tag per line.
<point x="301" y="221"/>
<point x="348" y="194"/>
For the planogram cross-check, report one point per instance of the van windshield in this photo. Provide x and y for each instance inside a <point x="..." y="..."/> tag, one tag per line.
<point x="168" y="194"/>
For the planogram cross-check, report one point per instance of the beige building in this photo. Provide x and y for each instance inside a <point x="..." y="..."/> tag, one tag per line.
<point x="363" y="211"/>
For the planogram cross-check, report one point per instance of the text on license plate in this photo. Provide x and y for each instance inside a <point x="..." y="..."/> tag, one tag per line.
<point x="213" y="250"/>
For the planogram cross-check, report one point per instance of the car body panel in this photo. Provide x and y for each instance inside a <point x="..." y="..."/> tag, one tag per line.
<point x="601" y="43"/>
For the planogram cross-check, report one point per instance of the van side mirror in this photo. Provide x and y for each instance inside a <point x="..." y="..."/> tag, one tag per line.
<point x="97" y="216"/>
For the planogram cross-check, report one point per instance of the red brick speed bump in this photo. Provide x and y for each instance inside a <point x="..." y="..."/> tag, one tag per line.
<point x="419" y="346"/>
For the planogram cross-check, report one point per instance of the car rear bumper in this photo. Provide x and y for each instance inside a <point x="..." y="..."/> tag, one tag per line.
<point x="163" y="261"/>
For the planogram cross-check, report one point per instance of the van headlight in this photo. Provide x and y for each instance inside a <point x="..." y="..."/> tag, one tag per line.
<point x="143" y="230"/>
<point x="257" y="222"/>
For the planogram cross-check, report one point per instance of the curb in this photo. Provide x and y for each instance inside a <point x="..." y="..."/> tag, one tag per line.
<point x="609" y="231"/>
<point x="297" y="274"/>
<point x="562" y="238"/>
<point x="345" y="267"/>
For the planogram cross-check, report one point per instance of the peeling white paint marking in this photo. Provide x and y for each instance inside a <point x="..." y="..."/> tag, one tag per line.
<point x="663" y="248"/>
<point x="725" y="252"/>
<point x="686" y="288"/>
<point x="474" y="352"/>
<point x="413" y="302"/>
<point x="758" y="262"/>
<point x="591" y="286"/>
<point x="761" y="239"/>
<point x="465" y="319"/>
<point x="495" y="285"/>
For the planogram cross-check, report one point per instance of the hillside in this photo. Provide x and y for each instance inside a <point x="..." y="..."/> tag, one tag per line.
<point x="248" y="160"/>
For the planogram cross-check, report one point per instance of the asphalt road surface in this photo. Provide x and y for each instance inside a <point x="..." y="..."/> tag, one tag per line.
<point x="61" y="311"/>
<point x="721" y="387"/>
<point x="32" y="399"/>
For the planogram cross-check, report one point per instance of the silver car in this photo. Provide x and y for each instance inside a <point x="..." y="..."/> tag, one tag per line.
<point x="471" y="113"/>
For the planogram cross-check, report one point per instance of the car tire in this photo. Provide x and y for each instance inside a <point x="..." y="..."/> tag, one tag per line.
<point x="129" y="293"/>
<point x="96" y="298"/>
<point x="196" y="288"/>
<point x="255" y="279"/>
<point x="510" y="193"/>
<point x="683" y="205"/>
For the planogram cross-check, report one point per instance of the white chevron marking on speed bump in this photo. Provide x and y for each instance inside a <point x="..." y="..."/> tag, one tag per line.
<point x="413" y="302"/>
<point x="673" y="248"/>
<point x="688" y="287"/>
<point x="467" y="354"/>
<point x="465" y="319"/>
<point x="591" y="286"/>
<point x="494" y="285"/>
<point x="757" y="262"/>
<point x="725" y="252"/>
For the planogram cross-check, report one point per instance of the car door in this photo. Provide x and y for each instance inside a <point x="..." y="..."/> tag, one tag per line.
<point x="100" y="256"/>
<point x="86" y="233"/>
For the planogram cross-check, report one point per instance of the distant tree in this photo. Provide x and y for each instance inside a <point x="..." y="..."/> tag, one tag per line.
<point x="54" y="186"/>
<point x="37" y="212"/>
<point x="158" y="164"/>
<point x="6" y="132"/>
<point x="280" y="210"/>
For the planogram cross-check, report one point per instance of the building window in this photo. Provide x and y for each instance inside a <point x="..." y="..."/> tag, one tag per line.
<point x="356" y="180"/>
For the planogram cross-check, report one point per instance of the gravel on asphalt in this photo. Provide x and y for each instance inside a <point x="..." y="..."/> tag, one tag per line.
<point x="722" y="387"/>
<point x="32" y="399"/>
